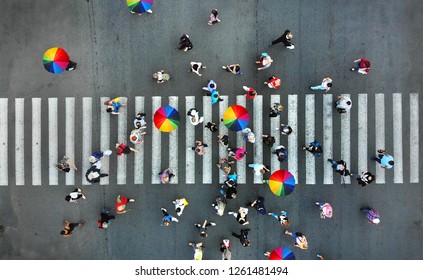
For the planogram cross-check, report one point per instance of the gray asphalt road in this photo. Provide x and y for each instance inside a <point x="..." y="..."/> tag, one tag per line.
<point x="117" y="52"/>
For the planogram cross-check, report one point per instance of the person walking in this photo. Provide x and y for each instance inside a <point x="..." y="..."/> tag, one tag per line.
<point x="326" y="210"/>
<point x="243" y="237"/>
<point x="343" y="104"/>
<point x="241" y="216"/>
<point x="233" y="68"/>
<point x="384" y="159"/>
<point x="300" y="239"/>
<point x="93" y="174"/>
<point x="275" y="110"/>
<point x="167" y="218"/>
<point x="340" y="167"/>
<point x="203" y="227"/>
<point x="215" y="97"/>
<point x="273" y="82"/>
<point x="258" y="168"/>
<point x="139" y="120"/>
<point x="237" y="153"/>
<point x="185" y="43"/>
<point x="213" y="17"/>
<point x="137" y="135"/>
<point x="372" y="216"/>
<point x="113" y="106"/>
<point x="225" y="165"/>
<point x="363" y="179"/>
<point x="223" y="140"/>
<point x="249" y="135"/>
<point x="228" y="189"/>
<point x="326" y="85"/>
<point x="281" y="152"/>
<point x="161" y="76"/>
<point x="264" y="61"/>
<point x="194" y="116"/>
<point x="65" y="165"/>
<point x="123" y="149"/>
<point x="211" y="86"/>
<point x="284" y="129"/>
<point x="268" y="140"/>
<point x="180" y="204"/>
<point x="363" y="66"/>
<point x="166" y="176"/>
<point x="286" y="39"/>
<point x="251" y="92"/>
<point x="314" y="147"/>
<point x="219" y="205"/>
<point x="75" y="195"/>
<point x="282" y="218"/>
<point x="121" y="204"/>
<point x="97" y="156"/>
<point x="225" y="248"/>
<point x="198" y="250"/>
<point x="105" y="218"/>
<point x="258" y="204"/>
<point x="199" y="147"/>
<point x="71" y="66"/>
<point x="212" y="126"/>
<point x="196" y="66"/>
<point x="69" y="227"/>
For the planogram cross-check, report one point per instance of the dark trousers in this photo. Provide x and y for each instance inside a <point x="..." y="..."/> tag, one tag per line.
<point x="283" y="40"/>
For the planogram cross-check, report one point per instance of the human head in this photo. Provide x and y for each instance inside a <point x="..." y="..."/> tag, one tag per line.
<point x="329" y="84"/>
<point x="105" y="225"/>
<point x="197" y="150"/>
<point x="286" y="223"/>
<point x="280" y="108"/>
<point x="63" y="232"/>
<point x="109" y="110"/>
<point x="367" y="63"/>
<point x="241" y="155"/>
<point x="237" y="68"/>
<point x="376" y="221"/>
<point x="178" y="210"/>
<point x="203" y="234"/>
<point x="214" y="12"/>
<point x="68" y="198"/>
<point x="348" y="102"/>
<point x="391" y="162"/>
<point x="166" y="223"/>
<point x="60" y="166"/>
<point x="134" y="138"/>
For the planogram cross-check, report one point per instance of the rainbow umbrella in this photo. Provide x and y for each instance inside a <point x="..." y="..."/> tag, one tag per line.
<point x="166" y="118"/>
<point x="55" y="60"/>
<point x="139" y="6"/>
<point x="281" y="253"/>
<point x="236" y="118"/>
<point x="281" y="182"/>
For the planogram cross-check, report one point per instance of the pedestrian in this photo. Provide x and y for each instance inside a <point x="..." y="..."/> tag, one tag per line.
<point x="326" y="85"/>
<point x="75" y="195"/>
<point x="300" y="239"/>
<point x="166" y="176"/>
<point x="219" y="205"/>
<point x="241" y="216"/>
<point x="228" y="189"/>
<point x="285" y="129"/>
<point x="161" y="76"/>
<point x="273" y="82"/>
<point x="139" y="120"/>
<point x="180" y="204"/>
<point x="251" y="92"/>
<point x="275" y="110"/>
<point x="259" y="169"/>
<point x="364" y="179"/>
<point x="213" y="17"/>
<point x="211" y="86"/>
<point x="215" y="96"/>
<point x="371" y="215"/>
<point x="223" y="140"/>
<point x="113" y="106"/>
<point x="65" y="165"/>
<point x="384" y="159"/>
<point x="137" y="135"/>
<point x="123" y="149"/>
<point x="258" y="204"/>
<point x="198" y="250"/>
<point x="315" y="148"/>
<point x="343" y="104"/>
<point x="185" y="43"/>
<point x="212" y="126"/>
<point x="93" y="174"/>
<point x="225" y="165"/>
<point x="199" y="147"/>
<point x="233" y="68"/>
<point x="121" y="204"/>
<point x="282" y="218"/>
<point x="105" y="218"/>
<point x="268" y="140"/>
<point x="225" y="248"/>
<point x="281" y="152"/>
<point x="203" y="227"/>
<point x="363" y="66"/>
<point x="264" y="61"/>
<point x="194" y="115"/>
<point x="167" y="218"/>
<point x="340" y="167"/>
<point x="237" y="154"/>
<point x="326" y="210"/>
<point x="196" y="66"/>
<point x="69" y="227"/>
<point x="286" y="39"/>
<point x="98" y="155"/>
<point x="249" y="135"/>
<point x="71" y="66"/>
<point x="243" y="237"/>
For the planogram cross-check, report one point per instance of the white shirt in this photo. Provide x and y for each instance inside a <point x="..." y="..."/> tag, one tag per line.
<point x="342" y="103"/>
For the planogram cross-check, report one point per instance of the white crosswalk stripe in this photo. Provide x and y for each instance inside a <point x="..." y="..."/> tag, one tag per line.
<point x="29" y="127"/>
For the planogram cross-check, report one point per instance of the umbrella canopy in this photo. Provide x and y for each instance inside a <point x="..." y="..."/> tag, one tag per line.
<point x="236" y="118"/>
<point x="166" y="118"/>
<point x="139" y="6"/>
<point x="281" y="182"/>
<point x="55" y="60"/>
<point x="281" y="253"/>
<point x="327" y="210"/>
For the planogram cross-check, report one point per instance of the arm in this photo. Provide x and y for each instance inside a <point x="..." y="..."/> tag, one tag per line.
<point x="357" y="60"/>
<point x="362" y="71"/>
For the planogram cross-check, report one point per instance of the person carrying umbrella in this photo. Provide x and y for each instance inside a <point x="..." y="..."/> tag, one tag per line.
<point x="371" y="215"/>
<point x="326" y="210"/>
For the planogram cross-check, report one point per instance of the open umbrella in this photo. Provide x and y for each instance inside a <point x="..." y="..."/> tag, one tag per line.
<point x="166" y="118"/>
<point x="281" y="182"/>
<point x="55" y="60"/>
<point x="139" y="6"/>
<point x="236" y="118"/>
<point x="281" y="253"/>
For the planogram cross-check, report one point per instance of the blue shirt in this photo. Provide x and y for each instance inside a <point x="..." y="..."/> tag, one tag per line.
<point x="385" y="161"/>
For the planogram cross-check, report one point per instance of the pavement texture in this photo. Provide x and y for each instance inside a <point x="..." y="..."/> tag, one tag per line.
<point x="117" y="52"/>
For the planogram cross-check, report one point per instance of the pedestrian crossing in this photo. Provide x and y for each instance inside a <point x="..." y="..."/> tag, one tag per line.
<point x="33" y="143"/>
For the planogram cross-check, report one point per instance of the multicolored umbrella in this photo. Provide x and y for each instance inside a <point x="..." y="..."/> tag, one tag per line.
<point x="166" y="118"/>
<point x="281" y="253"/>
<point x="55" y="60"/>
<point x="139" y="6"/>
<point x="236" y="118"/>
<point x="281" y="182"/>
